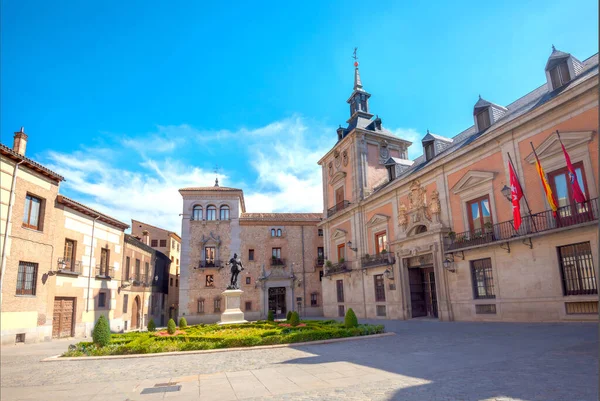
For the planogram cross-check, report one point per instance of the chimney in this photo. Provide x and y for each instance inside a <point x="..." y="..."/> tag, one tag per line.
<point x="20" y="142"/>
<point x="146" y="237"/>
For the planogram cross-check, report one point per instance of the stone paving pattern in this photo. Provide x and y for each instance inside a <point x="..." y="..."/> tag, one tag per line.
<point x="426" y="360"/>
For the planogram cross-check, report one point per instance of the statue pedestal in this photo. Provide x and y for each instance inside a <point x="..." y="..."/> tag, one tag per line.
<point x="233" y="313"/>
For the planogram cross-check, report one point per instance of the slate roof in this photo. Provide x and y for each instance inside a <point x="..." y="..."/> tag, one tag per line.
<point x="282" y="216"/>
<point x="133" y="221"/>
<point x="130" y="239"/>
<point x="80" y="207"/>
<point x="6" y="151"/>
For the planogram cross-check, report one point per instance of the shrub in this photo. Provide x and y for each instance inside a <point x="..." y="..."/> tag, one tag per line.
<point x="288" y="316"/>
<point x="151" y="325"/>
<point x="350" y="320"/>
<point x="171" y="326"/>
<point x="182" y="323"/>
<point x="270" y="316"/>
<point x="294" y="319"/>
<point x="101" y="333"/>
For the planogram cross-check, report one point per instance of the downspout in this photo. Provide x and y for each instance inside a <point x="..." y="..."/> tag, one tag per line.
<point x="303" y="275"/>
<point x="8" y="217"/>
<point x="87" y="306"/>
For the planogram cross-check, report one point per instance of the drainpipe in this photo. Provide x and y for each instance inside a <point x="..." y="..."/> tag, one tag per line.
<point x="87" y="306"/>
<point x="8" y="217"/>
<point x="303" y="276"/>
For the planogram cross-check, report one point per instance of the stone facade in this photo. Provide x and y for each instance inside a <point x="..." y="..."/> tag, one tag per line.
<point x="440" y="259"/>
<point x="288" y="281"/>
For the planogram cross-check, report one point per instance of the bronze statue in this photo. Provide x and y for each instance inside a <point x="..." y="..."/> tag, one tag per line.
<point x="236" y="268"/>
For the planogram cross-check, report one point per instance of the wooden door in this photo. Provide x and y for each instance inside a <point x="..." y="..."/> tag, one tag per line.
<point x="417" y="293"/>
<point x="135" y="314"/>
<point x="430" y="292"/>
<point x="62" y="321"/>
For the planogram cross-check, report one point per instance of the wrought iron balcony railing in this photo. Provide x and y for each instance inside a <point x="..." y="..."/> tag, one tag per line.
<point x="138" y="279"/>
<point x="336" y="208"/>
<point x="566" y="217"/>
<point x="277" y="262"/>
<point x="381" y="259"/>
<point x="69" y="266"/>
<point x="103" y="271"/>
<point x="338" y="268"/>
<point x="210" y="263"/>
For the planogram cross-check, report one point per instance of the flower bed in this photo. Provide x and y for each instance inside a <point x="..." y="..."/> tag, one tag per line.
<point x="212" y="336"/>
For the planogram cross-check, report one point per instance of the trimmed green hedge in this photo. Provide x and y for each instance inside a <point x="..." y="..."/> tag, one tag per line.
<point x="213" y="336"/>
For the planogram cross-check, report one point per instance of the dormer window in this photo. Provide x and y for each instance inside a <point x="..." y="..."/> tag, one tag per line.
<point x="429" y="151"/>
<point x="560" y="75"/>
<point x="483" y="119"/>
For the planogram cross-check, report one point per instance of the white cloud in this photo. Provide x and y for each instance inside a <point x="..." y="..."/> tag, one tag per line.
<point x="410" y="134"/>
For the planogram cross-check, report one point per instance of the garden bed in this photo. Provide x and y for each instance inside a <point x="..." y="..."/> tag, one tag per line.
<point x="213" y="336"/>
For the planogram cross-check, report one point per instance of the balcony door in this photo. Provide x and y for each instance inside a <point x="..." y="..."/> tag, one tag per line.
<point x="339" y="196"/>
<point x="341" y="252"/>
<point x="479" y="214"/>
<point x="563" y="193"/>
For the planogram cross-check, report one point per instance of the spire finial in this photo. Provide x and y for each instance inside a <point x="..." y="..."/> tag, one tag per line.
<point x="357" y="82"/>
<point x="427" y="131"/>
<point x="216" y="170"/>
<point x="480" y="96"/>
<point x="553" y="48"/>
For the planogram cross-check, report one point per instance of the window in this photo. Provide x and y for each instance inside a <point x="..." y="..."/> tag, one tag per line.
<point x="320" y="275"/>
<point x="200" y="306"/>
<point x="483" y="281"/>
<point x="577" y="269"/>
<point x="379" y="288"/>
<point x="197" y="213"/>
<point x="272" y="232"/>
<point x="217" y="304"/>
<point x="163" y="243"/>
<point x="380" y="310"/>
<point x="209" y="253"/>
<point x="210" y="280"/>
<point x="137" y="269"/>
<point x="341" y="252"/>
<point x="178" y="247"/>
<point x="483" y="119"/>
<point x="104" y="261"/>
<point x="563" y="191"/>
<point x="69" y="254"/>
<point x="176" y="282"/>
<point x="27" y="278"/>
<point x="32" y="213"/>
<point x="103" y="300"/>
<point x="248" y="305"/>
<point x="320" y="232"/>
<point x="248" y="280"/>
<point x="172" y="259"/>
<point x="485" y="309"/>
<point x="171" y="282"/>
<point x="320" y="256"/>
<point x="314" y="299"/>
<point x="147" y="277"/>
<point x="276" y="252"/>
<point x="380" y="242"/>
<point x="224" y="213"/>
<point x="339" y="284"/>
<point x="429" y="151"/>
<point x="125" y="302"/>
<point x="339" y="197"/>
<point x="250" y="254"/>
<point x="341" y="311"/>
<point x="172" y="244"/>
<point x="211" y="213"/>
<point x="279" y="232"/>
<point x="177" y="261"/>
<point x="479" y="213"/>
<point x="127" y="268"/>
<point x="559" y="75"/>
<point x="154" y="243"/>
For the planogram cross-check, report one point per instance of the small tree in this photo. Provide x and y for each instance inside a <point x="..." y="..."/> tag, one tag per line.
<point x="288" y="316"/>
<point x="151" y="325"/>
<point x="171" y="326"/>
<point x="182" y="323"/>
<point x="101" y="333"/>
<point x="270" y="316"/>
<point x="350" y="319"/>
<point x="294" y="319"/>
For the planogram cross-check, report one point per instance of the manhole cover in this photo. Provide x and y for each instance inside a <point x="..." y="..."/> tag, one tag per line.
<point x="162" y="389"/>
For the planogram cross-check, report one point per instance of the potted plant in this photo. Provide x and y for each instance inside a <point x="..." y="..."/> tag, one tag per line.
<point x="383" y="251"/>
<point x="328" y="263"/>
<point x="452" y="236"/>
<point x="367" y="257"/>
<point x="341" y="262"/>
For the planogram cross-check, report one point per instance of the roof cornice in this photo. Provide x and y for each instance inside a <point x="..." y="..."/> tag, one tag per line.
<point x="80" y="207"/>
<point x="8" y="152"/>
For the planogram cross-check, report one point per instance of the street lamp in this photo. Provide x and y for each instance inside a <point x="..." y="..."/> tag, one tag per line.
<point x="349" y="243"/>
<point x="507" y="192"/>
<point x="449" y="263"/>
<point x="388" y="274"/>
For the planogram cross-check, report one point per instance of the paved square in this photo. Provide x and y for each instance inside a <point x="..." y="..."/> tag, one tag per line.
<point x="425" y="360"/>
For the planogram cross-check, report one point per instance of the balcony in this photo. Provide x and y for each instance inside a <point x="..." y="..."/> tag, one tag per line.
<point x="531" y="226"/>
<point x="381" y="259"/>
<point x="336" y="268"/>
<point x="139" y="279"/>
<point x="210" y="264"/>
<point x="277" y="262"/>
<point x="68" y="266"/>
<point x="106" y="272"/>
<point x="319" y="262"/>
<point x="333" y="210"/>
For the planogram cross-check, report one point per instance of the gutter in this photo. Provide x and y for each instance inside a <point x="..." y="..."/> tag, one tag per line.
<point x="87" y="306"/>
<point x="8" y="219"/>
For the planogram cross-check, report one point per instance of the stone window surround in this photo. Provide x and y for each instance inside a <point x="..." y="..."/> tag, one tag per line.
<point x="204" y="205"/>
<point x="378" y="228"/>
<point x="483" y="188"/>
<point x="339" y="238"/>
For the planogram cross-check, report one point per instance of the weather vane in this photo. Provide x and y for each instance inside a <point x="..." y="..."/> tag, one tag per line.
<point x="216" y="170"/>
<point x="355" y="57"/>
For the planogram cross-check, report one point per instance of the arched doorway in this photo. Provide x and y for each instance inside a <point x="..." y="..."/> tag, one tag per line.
<point x="135" y="313"/>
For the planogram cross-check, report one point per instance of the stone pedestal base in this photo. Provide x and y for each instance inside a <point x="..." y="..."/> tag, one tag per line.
<point x="233" y="313"/>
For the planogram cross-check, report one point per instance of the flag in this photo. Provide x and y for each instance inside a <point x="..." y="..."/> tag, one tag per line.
<point x="516" y="194"/>
<point x="577" y="192"/>
<point x="547" y="188"/>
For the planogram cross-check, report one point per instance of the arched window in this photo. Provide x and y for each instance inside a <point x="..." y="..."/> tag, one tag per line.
<point x="272" y="232"/>
<point x="197" y="213"/>
<point x="420" y="229"/>
<point x="279" y="232"/>
<point x="211" y="213"/>
<point x="224" y="213"/>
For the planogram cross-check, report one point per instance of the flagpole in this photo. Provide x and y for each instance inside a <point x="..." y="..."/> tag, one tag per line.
<point x="537" y="160"/>
<point x="525" y="197"/>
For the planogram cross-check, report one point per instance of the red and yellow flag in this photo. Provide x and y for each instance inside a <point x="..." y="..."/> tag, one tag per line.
<point x="547" y="188"/>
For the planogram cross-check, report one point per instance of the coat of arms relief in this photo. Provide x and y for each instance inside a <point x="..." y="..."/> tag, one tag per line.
<point x="419" y="210"/>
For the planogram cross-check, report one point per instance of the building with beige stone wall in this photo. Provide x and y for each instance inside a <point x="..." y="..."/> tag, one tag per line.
<point x="282" y="255"/>
<point x="169" y="243"/>
<point x="434" y="237"/>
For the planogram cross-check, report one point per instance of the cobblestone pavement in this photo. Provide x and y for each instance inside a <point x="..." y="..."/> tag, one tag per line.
<point x="425" y="360"/>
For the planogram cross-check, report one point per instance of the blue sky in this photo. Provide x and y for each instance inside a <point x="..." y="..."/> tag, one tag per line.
<point x="133" y="100"/>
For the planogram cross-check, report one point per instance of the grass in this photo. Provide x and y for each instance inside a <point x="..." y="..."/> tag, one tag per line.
<point x="213" y="336"/>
